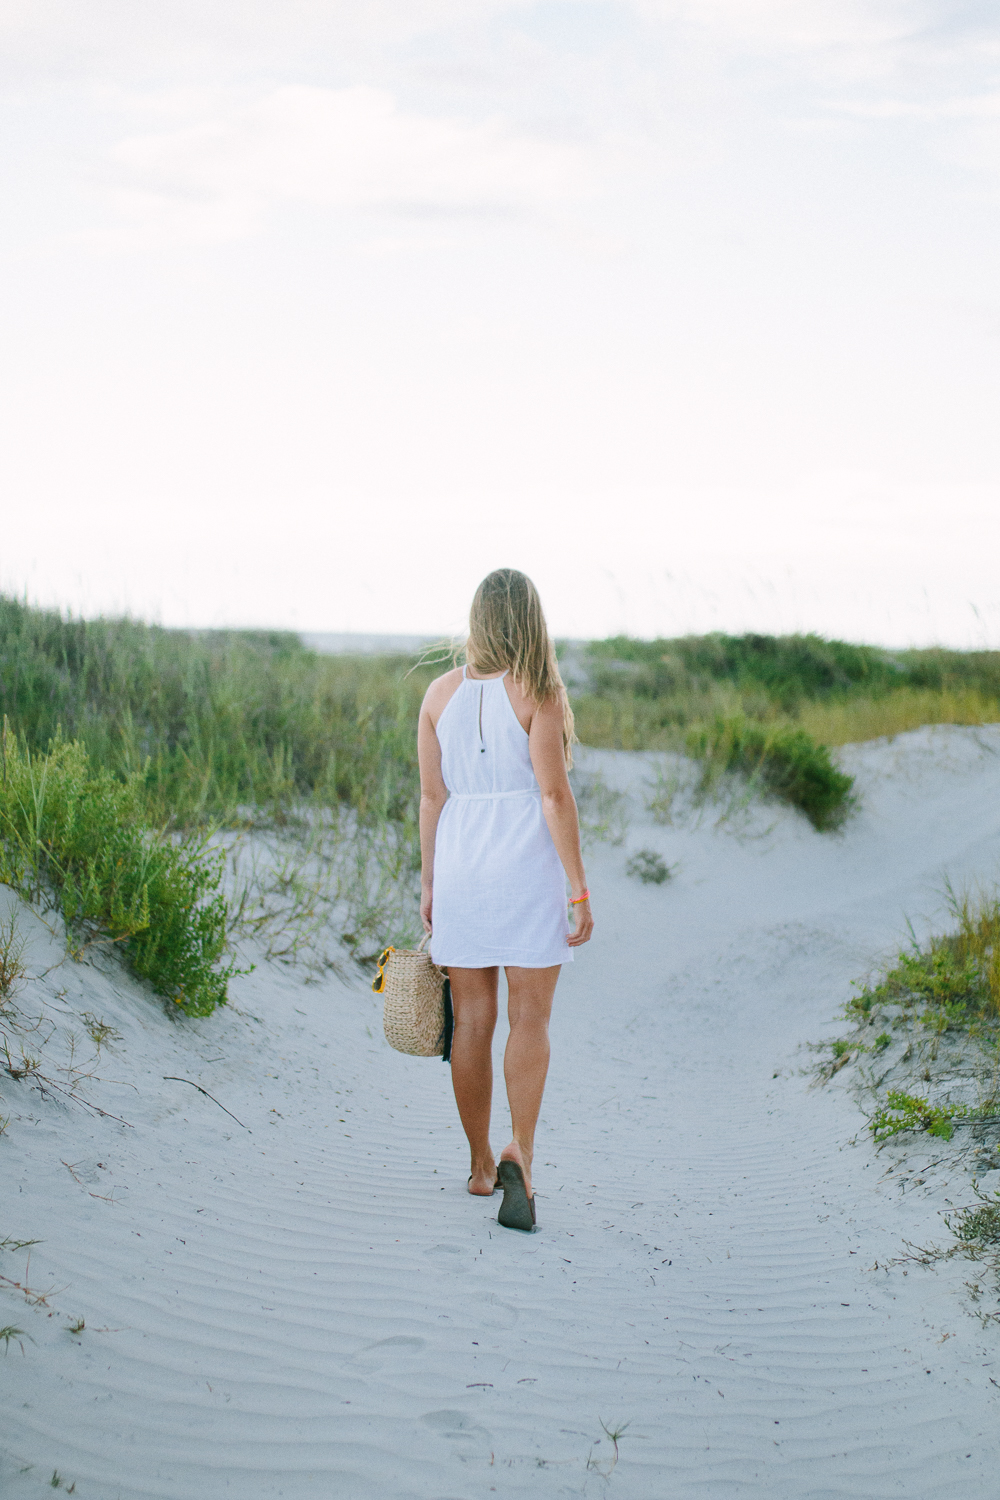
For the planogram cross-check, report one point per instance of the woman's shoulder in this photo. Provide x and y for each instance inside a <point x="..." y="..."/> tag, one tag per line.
<point x="440" y="690"/>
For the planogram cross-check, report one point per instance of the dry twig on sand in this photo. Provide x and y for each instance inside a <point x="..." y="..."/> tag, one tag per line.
<point x="169" y="1078"/>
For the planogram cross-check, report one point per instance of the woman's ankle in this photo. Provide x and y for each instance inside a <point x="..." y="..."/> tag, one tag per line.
<point x="520" y="1152"/>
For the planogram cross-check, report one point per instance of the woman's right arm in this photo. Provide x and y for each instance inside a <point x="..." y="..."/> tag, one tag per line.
<point x="545" y="746"/>
<point x="433" y="796"/>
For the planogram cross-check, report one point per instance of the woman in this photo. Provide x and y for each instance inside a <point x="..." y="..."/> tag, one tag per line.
<point x="500" y="838"/>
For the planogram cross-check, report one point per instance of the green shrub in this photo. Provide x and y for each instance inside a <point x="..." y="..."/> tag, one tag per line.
<point x="80" y="834"/>
<point x="980" y="1225"/>
<point x="787" y="761"/>
<point x="909" y="1112"/>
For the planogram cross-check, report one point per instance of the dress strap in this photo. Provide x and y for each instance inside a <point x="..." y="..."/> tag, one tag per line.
<point x="464" y="670"/>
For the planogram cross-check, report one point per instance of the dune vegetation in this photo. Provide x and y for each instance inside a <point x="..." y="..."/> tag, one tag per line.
<point x="131" y="751"/>
<point x="230" y="725"/>
<point x="926" y="1044"/>
<point x="927" y="1026"/>
<point x="135" y="754"/>
<point x="772" y="707"/>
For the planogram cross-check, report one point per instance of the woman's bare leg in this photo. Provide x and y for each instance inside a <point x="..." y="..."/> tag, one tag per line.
<point x="526" y="1060"/>
<point x="474" y="997"/>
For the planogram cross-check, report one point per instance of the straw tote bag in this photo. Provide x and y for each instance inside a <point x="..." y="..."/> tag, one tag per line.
<point x="417" y="1015"/>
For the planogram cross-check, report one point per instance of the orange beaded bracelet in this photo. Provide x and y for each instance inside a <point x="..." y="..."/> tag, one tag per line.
<point x="578" y="899"/>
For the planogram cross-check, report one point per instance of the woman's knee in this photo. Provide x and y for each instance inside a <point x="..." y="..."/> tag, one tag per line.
<point x="476" y="1028"/>
<point x="529" y="1025"/>
<point x="476" y="1018"/>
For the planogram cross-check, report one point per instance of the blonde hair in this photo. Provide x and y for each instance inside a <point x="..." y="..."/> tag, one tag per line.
<point x="507" y="631"/>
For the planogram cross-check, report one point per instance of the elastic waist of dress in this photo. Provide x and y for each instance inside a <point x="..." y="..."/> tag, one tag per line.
<point x="529" y="791"/>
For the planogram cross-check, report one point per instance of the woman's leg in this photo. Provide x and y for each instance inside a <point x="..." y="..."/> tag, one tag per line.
<point x="526" y="1060"/>
<point x="474" y="997"/>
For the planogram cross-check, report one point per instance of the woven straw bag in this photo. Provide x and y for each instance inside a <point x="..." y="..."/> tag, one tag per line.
<point x="416" y="1014"/>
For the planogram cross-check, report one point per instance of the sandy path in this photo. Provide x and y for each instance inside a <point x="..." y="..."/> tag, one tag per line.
<point x="318" y="1309"/>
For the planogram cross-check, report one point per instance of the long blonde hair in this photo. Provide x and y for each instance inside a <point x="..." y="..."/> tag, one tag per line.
<point x="507" y="631"/>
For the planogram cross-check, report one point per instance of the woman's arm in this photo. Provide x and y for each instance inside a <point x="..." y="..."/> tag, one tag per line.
<point x="545" y="745"/>
<point x="433" y="796"/>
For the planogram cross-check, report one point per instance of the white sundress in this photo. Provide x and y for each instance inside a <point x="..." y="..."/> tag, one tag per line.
<point x="499" y="885"/>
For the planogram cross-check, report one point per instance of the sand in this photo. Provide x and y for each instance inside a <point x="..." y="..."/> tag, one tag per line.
<point x="309" y="1304"/>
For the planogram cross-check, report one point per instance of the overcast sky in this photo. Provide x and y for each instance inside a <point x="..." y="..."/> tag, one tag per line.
<point x="315" y="311"/>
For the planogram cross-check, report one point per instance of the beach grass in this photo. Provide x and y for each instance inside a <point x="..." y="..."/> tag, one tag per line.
<point x="851" y="721"/>
<point x="79" y="835"/>
<point x="773" y="707"/>
<point x="227" y="725"/>
<point x="232" y="730"/>
<point x="952" y="981"/>
<point x="204" y="733"/>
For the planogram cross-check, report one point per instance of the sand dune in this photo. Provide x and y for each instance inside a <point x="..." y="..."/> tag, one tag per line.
<point x="307" y="1304"/>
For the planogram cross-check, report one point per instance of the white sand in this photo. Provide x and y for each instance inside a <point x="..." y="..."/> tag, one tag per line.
<point x="318" y="1309"/>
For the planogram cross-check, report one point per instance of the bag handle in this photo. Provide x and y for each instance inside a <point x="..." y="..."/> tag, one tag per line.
<point x="378" y="983"/>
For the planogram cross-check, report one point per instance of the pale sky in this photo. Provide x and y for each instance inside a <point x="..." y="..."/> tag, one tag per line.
<point x="314" y="312"/>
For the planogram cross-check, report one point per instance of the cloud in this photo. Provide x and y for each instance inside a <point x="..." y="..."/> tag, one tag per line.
<point x="351" y="148"/>
<point x="116" y="39"/>
<point x="975" y="107"/>
<point x="794" y="25"/>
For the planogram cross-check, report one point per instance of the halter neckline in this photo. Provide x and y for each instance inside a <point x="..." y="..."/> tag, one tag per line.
<point x="483" y="680"/>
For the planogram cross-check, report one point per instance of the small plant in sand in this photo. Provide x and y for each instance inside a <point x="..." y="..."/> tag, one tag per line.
<point x="649" y="867"/>
<point x="77" y="1326"/>
<point x="606" y="1466"/>
<point x="99" y="1031"/>
<point x="11" y="1334"/>
<point x="12" y="945"/>
<point x="976" y="1231"/>
<point x="24" y="1066"/>
<point x="903" y="1111"/>
<point x="978" y="1226"/>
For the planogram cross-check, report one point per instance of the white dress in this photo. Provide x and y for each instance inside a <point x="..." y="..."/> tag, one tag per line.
<point x="499" y="885"/>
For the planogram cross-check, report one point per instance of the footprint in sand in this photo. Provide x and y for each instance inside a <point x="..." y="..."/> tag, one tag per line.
<point x="456" y="1425"/>
<point x="386" y="1352"/>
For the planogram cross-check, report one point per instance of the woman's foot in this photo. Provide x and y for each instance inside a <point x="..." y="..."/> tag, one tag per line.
<point x="517" y="1153"/>
<point x="483" y="1178"/>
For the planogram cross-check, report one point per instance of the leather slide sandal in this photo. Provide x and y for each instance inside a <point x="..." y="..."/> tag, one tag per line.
<point x="517" y="1211"/>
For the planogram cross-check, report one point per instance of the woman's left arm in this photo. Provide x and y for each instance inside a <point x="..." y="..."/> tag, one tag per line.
<point x="545" y="745"/>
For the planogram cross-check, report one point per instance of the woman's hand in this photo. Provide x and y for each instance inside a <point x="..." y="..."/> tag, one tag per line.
<point x="426" y="902"/>
<point x="584" y="925"/>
